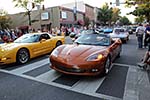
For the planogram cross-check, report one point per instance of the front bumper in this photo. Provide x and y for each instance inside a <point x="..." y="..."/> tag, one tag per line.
<point x="7" y="60"/>
<point x="89" y="69"/>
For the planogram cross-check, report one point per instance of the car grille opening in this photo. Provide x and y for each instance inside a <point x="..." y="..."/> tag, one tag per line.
<point x="70" y="69"/>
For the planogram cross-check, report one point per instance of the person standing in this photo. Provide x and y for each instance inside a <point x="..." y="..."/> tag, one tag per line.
<point x="139" y="33"/>
<point x="146" y="58"/>
<point x="146" y="35"/>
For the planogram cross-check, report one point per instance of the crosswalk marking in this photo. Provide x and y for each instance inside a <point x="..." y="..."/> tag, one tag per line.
<point x="86" y="85"/>
<point x="48" y="76"/>
<point x="31" y="66"/>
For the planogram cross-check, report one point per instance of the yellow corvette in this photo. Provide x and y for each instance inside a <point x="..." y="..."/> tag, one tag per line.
<point x="28" y="46"/>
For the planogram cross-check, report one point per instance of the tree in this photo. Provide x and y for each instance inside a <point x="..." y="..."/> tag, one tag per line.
<point x="142" y="8"/>
<point x="4" y="19"/>
<point x="124" y="21"/>
<point x="105" y="15"/>
<point x="139" y="19"/>
<point x="25" y="5"/>
<point x="115" y="15"/>
<point x="86" y="21"/>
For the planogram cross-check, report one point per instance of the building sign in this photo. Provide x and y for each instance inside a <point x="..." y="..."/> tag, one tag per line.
<point x="44" y="16"/>
<point x="63" y="15"/>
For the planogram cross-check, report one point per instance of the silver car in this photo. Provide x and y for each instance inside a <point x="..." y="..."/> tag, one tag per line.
<point x="120" y="33"/>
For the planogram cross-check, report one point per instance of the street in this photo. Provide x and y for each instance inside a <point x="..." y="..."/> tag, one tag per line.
<point x="37" y="81"/>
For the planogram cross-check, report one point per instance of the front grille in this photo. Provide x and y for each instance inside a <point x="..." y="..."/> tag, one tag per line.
<point x="70" y="69"/>
<point x="1" y="63"/>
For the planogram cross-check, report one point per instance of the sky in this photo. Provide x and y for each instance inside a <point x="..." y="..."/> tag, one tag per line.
<point x="8" y="5"/>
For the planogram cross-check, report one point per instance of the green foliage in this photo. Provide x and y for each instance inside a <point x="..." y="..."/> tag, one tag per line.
<point x="115" y="15"/>
<point x="142" y="8"/>
<point x="86" y="21"/>
<point x="124" y="21"/>
<point x="105" y="14"/>
<point x="4" y="19"/>
<point x="139" y="19"/>
<point x="24" y="4"/>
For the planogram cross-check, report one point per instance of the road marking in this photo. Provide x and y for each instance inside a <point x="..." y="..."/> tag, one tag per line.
<point x="86" y="85"/>
<point x="48" y="76"/>
<point x="61" y="86"/>
<point x="38" y="71"/>
<point x="31" y="66"/>
<point x="125" y="65"/>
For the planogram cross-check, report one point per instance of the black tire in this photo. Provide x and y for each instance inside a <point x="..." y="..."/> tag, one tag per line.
<point x="107" y="66"/>
<point x="125" y="41"/>
<point x="118" y="56"/>
<point x="145" y="67"/>
<point x="128" y="38"/>
<point x="22" y="56"/>
<point x="58" y="43"/>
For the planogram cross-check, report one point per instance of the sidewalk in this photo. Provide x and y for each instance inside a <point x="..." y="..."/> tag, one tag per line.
<point x="138" y="80"/>
<point x="137" y="84"/>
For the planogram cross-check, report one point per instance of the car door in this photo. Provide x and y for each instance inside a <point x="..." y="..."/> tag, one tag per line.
<point x="46" y="43"/>
<point x="36" y="46"/>
<point x="115" y="49"/>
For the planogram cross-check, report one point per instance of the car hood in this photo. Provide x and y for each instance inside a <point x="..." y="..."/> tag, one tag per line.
<point x="79" y="53"/>
<point x="5" y="47"/>
<point x="9" y="45"/>
<point x="119" y="35"/>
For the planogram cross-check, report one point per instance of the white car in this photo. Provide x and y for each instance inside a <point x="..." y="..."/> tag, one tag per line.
<point x="120" y="33"/>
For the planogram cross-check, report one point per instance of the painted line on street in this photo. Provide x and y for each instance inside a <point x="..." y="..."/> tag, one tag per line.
<point x="31" y="66"/>
<point x="114" y="83"/>
<point x="38" y="71"/>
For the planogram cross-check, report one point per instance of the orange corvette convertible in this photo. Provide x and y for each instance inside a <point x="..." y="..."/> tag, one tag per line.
<point x="90" y="54"/>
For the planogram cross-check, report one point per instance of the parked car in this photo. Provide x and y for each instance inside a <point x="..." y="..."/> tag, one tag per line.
<point x="129" y="29"/>
<point x="134" y="28"/>
<point x="74" y="36"/>
<point x="120" y="33"/>
<point x="90" y="54"/>
<point x="108" y="30"/>
<point x="28" y="46"/>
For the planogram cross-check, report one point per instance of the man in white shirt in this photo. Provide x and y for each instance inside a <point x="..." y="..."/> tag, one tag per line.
<point x="139" y="33"/>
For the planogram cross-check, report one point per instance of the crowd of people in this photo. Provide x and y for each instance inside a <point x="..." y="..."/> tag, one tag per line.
<point x="7" y="35"/>
<point x="143" y="35"/>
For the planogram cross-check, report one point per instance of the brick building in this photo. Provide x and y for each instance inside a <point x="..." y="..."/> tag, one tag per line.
<point x="55" y="16"/>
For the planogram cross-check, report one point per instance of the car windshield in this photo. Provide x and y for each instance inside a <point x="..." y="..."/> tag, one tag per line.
<point x="86" y="31"/>
<point x="94" y="39"/>
<point x="118" y="31"/>
<point x="28" y="38"/>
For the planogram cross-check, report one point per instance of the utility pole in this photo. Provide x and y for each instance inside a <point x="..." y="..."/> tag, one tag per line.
<point x="75" y="11"/>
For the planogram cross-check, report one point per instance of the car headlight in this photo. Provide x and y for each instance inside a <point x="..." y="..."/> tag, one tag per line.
<point x="95" y="57"/>
<point x="2" y="50"/>
<point x="55" y="53"/>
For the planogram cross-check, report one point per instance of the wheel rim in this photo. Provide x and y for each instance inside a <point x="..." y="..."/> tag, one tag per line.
<point x="23" y="56"/>
<point x="107" y="66"/>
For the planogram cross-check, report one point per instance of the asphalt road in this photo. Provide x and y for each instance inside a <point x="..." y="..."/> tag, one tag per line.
<point x="37" y="81"/>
